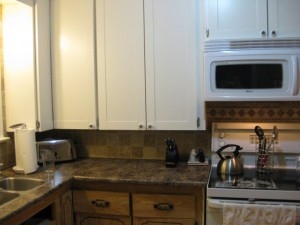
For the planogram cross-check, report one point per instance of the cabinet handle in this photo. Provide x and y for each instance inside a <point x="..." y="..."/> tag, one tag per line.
<point x="274" y="33"/>
<point x="149" y="126"/>
<point x="100" y="203"/>
<point x="263" y="33"/>
<point x="141" y="126"/>
<point x="91" y="126"/>
<point x="163" y="206"/>
<point x="207" y="32"/>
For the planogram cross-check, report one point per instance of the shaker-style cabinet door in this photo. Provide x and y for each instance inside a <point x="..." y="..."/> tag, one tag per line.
<point x="235" y="19"/>
<point x="26" y="58"/>
<point x="147" y="64"/>
<point x="284" y="18"/>
<point x="171" y="56"/>
<point x="121" y="67"/>
<point x="73" y="64"/>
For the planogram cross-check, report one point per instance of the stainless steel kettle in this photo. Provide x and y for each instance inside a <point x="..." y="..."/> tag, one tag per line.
<point x="230" y="165"/>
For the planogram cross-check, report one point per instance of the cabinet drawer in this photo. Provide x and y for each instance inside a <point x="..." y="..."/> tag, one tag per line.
<point x="175" y="206"/>
<point x="112" y="203"/>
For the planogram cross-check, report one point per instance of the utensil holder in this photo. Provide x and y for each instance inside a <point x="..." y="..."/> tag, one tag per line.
<point x="265" y="157"/>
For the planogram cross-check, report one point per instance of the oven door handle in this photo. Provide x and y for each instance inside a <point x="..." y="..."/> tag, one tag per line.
<point x="219" y="204"/>
<point x="215" y="204"/>
<point x="295" y="76"/>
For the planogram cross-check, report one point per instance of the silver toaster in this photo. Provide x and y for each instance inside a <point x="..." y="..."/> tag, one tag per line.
<point x="64" y="149"/>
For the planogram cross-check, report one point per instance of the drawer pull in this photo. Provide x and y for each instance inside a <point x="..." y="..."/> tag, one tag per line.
<point x="100" y="203"/>
<point x="164" y="206"/>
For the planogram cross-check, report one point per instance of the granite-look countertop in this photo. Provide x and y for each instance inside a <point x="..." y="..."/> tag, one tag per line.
<point x="144" y="172"/>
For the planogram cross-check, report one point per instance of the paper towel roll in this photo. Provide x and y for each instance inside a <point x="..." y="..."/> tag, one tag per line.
<point x="26" y="157"/>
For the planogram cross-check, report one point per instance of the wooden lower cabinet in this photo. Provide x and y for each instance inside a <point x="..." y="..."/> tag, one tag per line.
<point x="162" y="221"/>
<point x="66" y="208"/>
<point x="101" y="208"/>
<point x="96" y="219"/>
<point x="126" y="208"/>
<point x="155" y="209"/>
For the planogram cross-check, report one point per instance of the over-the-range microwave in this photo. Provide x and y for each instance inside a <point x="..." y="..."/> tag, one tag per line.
<point x="252" y="75"/>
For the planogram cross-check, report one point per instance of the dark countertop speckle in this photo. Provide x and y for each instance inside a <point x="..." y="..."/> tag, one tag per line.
<point x="144" y="172"/>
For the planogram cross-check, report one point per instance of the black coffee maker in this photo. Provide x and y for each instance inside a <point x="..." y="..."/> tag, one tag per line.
<point x="171" y="153"/>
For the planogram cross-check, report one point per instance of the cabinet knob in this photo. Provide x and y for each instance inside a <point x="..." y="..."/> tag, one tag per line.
<point x="263" y="33"/>
<point x="274" y="33"/>
<point x="141" y="126"/>
<point x="163" y="206"/>
<point x="149" y="126"/>
<point x="91" y="126"/>
<point x="100" y="203"/>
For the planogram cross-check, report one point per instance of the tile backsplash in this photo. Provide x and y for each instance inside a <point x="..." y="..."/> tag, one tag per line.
<point x="131" y="144"/>
<point x="150" y="144"/>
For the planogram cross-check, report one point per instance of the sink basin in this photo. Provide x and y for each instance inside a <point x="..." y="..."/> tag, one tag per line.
<point x="7" y="196"/>
<point x="20" y="183"/>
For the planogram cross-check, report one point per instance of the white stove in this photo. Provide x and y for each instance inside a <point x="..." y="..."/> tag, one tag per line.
<point x="277" y="186"/>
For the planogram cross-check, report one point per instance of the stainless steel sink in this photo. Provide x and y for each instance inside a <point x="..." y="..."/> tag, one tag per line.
<point x="7" y="196"/>
<point x="20" y="183"/>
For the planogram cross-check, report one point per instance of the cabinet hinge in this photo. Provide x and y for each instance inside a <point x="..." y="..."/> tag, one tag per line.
<point x="198" y="122"/>
<point x="207" y="32"/>
<point x="38" y="124"/>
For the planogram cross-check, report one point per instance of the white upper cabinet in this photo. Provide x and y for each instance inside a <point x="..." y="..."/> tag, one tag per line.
<point x="147" y="64"/>
<point x="284" y="17"/>
<point x="248" y="19"/>
<point x="171" y="47"/>
<point x="73" y="64"/>
<point x="26" y="55"/>
<point x="121" y="67"/>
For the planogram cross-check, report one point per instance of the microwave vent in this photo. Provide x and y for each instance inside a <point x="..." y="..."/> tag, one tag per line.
<point x="226" y="45"/>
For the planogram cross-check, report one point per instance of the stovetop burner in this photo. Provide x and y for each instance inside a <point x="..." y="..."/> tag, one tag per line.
<point x="246" y="183"/>
<point x="279" y="180"/>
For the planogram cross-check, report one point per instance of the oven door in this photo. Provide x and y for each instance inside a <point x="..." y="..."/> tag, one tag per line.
<point x="214" y="208"/>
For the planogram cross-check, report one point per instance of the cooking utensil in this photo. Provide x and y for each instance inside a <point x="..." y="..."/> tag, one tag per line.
<point x="274" y="136"/>
<point x="260" y="133"/>
<point x="230" y="165"/>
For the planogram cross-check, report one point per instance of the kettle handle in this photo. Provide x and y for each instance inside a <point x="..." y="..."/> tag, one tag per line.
<point x="236" y="151"/>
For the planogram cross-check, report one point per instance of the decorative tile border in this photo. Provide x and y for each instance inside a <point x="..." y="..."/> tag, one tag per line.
<point x="253" y="111"/>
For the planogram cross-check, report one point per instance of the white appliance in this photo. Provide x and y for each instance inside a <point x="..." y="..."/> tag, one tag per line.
<point x="277" y="188"/>
<point x="252" y="75"/>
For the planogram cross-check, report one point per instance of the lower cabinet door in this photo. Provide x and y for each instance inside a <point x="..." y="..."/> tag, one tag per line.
<point x="95" y="219"/>
<point x="66" y="208"/>
<point x="163" y="221"/>
<point x="155" y="209"/>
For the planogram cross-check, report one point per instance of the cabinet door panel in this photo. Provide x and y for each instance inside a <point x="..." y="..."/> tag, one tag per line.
<point x="94" y="219"/>
<point x="233" y="19"/>
<point x="19" y="71"/>
<point x="163" y="221"/>
<point x="43" y="65"/>
<point x="112" y="203"/>
<point x="284" y="18"/>
<point x="163" y="206"/>
<point x="66" y="213"/>
<point x="73" y="56"/>
<point x="121" y="70"/>
<point x="171" y="45"/>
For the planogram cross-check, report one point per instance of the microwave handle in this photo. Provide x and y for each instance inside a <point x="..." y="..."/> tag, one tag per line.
<point x="295" y="73"/>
